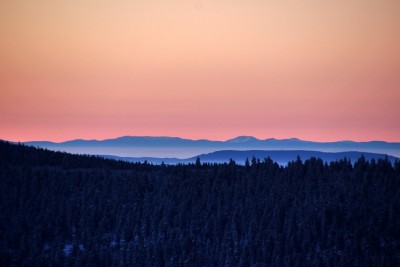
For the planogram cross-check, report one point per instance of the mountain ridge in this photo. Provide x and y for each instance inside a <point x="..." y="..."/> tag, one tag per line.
<point x="176" y="147"/>
<point x="162" y="137"/>
<point x="280" y="156"/>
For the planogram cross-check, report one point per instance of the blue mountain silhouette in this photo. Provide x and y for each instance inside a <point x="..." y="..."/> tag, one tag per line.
<point x="175" y="147"/>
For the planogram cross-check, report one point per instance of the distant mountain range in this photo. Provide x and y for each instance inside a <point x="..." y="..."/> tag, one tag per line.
<point x="174" y="147"/>
<point x="280" y="156"/>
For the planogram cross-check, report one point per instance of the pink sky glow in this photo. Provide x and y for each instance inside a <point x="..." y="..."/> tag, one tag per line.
<point x="315" y="70"/>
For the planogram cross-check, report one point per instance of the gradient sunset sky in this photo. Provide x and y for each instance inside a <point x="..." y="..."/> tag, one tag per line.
<point x="315" y="70"/>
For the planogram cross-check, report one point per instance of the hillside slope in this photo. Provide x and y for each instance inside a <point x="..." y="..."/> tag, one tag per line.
<point x="66" y="210"/>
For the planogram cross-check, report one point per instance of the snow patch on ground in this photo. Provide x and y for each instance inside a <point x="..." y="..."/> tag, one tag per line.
<point x="68" y="247"/>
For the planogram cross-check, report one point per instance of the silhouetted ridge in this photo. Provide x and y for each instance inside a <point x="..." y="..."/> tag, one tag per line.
<point x="22" y="154"/>
<point x="161" y="147"/>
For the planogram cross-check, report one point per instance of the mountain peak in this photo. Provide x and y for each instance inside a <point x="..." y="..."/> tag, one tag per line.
<point x="242" y="139"/>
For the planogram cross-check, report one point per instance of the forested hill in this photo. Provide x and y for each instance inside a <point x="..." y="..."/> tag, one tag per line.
<point x="20" y="154"/>
<point x="67" y="210"/>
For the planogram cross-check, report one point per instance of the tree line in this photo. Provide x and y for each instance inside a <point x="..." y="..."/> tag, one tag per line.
<point x="59" y="209"/>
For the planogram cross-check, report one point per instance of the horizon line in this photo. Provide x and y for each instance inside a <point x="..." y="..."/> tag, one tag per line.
<point x="200" y="139"/>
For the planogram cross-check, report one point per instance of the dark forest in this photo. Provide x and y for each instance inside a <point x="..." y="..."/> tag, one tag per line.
<point x="59" y="209"/>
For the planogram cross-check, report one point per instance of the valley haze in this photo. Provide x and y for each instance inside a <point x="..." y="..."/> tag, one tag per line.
<point x="180" y="148"/>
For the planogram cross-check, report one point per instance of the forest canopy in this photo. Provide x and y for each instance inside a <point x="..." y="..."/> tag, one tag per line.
<point x="74" y="210"/>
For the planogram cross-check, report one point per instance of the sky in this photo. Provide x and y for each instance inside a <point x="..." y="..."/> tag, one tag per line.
<point x="97" y="69"/>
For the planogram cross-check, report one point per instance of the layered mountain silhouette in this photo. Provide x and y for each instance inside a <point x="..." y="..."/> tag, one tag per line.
<point x="280" y="156"/>
<point x="179" y="148"/>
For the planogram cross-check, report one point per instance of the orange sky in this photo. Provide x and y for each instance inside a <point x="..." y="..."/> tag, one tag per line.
<point x="200" y="69"/>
